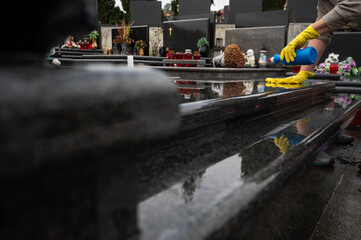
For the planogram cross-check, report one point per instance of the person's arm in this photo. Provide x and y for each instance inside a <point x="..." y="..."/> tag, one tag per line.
<point x="320" y="47"/>
<point x="321" y="27"/>
<point x="313" y="31"/>
<point x="344" y="12"/>
<point x="319" y="34"/>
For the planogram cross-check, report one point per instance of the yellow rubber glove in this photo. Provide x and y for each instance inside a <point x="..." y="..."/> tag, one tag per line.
<point x="283" y="85"/>
<point x="297" y="79"/>
<point x="282" y="143"/>
<point x="288" y="52"/>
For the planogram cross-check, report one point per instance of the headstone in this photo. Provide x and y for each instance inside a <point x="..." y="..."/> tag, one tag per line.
<point x="137" y="33"/>
<point x="271" y="38"/>
<point x="226" y="14"/>
<point x="212" y="24"/>
<point x="184" y="34"/>
<point x="146" y="13"/>
<point x="302" y="11"/>
<point x="262" y="19"/>
<point x="190" y="7"/>
<point x="243" y="6"/>
<point x="344" y="43"/>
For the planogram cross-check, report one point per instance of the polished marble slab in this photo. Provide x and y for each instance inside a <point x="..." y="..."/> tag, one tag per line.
<point x="241" y="6"/>
<point x="224" y="195"/>
<point x="228" y="100"/>
<point x="210" y="74"/>
<point x="146" y="13"/>
<point x="184" y="34"/>
<point x="262" y="19"/>
<point x="187" y="7"/>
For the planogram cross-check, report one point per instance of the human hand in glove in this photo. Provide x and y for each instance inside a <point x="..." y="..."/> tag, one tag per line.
<point x="283" y="85"/>
<point x="289" y="53"/>
<point x="297" y="79"/>
<point x="282" y="143"/>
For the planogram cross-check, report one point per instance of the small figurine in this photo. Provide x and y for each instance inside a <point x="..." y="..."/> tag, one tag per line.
<point x="218" y="61"/>
<point x="250" y="58"/>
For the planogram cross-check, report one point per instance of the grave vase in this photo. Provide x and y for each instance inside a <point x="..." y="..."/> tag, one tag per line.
<point x="141" y="52"/>
<point x="117" y="48"/>
<point x="163" y="52"/>
<point x="94" y="43"/>
<point x="126" y="49"/>
<point x="204" y="50"/>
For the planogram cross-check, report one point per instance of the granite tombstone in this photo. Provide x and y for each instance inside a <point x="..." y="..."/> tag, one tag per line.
<point x="343" y="43"/>
<point x="262" y="19"/>
<point x="184" y="34"/>
<point x="243" y="6"/>
<point x="212" y="24"/>
<point x="189" y="7"/>
<point x="226" y="14"/>
<point x="302" y="11"/>
<point x="146" y="13"/>
<point x="272" y="38"/>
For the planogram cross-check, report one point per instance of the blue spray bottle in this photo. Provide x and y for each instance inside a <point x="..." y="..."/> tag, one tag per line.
<point x="305" y="56"/>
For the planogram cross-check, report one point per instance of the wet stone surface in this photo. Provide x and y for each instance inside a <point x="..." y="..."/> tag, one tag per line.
<point x="193" y="91"/>
<point x="191" y="189"/>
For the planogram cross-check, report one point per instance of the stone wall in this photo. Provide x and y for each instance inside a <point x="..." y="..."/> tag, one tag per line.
<point x="221" y="31"/>
<point x="106" y="35"/>
<point x="155" y="40"/>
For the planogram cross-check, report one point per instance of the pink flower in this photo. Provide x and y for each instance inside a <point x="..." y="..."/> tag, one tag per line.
<point x="322" y="65"/>
<point x="346" y="67"/>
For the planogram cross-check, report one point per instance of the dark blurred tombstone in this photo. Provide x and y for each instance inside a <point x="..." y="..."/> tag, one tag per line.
<point x="146" y="13"/>
<point x="184" y="34"/>
<point x="69" y="136"/>
<point x="81" y="16"/>
<point x="243" y="6"/>
<point x="190" y="7"/>
<point x="262" y="19"/>
<point x="302" y="11"/>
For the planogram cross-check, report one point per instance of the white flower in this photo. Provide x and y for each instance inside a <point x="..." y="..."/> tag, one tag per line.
<point x="332" y="57"/>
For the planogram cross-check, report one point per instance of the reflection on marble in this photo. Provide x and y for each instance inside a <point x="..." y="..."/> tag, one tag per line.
<point x="184" y="199"/>
<point x="202" y="204"/>
<point x="193" y="91"/>
<point x="242" y="98"/>
<point x="283" y="85"/>
<point x="345" y="99"/>
<point x="190" y="186"/>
